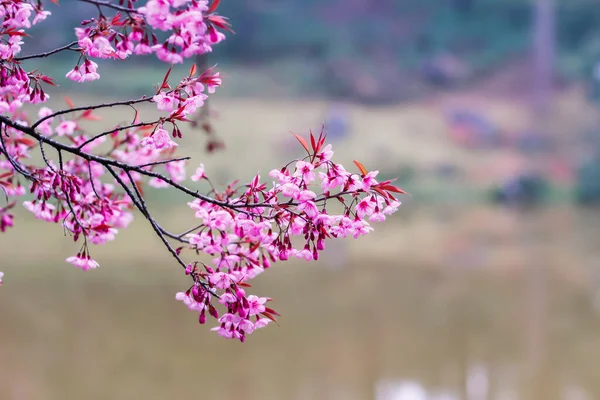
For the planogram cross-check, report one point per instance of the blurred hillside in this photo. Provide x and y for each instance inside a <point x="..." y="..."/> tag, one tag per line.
<point x="382" y="51"/>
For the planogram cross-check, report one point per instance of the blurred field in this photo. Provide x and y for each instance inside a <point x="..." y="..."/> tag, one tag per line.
<point x="424" y="298"/>
<point x="448" y="287"/>
<point x="389" y="138"/>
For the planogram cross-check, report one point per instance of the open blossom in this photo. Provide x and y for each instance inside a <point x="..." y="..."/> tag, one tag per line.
<point x="165" y="101"/>
<point x="66" y="128"/>
<point x="199" y="174"/>
<point x="305" y="170"/>
<point x="160" y="139"/>
<point x="83" y="262"/>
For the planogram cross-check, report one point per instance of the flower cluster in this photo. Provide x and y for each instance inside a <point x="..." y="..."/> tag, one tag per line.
<point x="192" y="25"/>
<point x="92" y="182"/>
<point x="262" y="224"/>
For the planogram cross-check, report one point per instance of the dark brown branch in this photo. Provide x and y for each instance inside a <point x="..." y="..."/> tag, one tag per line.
<point x="108" y="4"/>
<point x="117" y="129"/>
<point x="48" y="53"/>
<point x="92" y="107"/>
<point x="14" y="163"/>
<point x="163" y="162"/>
<point x="139" y="202"/>
<point x="125" y="167"/>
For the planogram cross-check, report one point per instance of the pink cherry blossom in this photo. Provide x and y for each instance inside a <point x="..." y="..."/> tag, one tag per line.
<point x="199" y="174"/>
<point x="66" y="128"/>
<point x="90" y="180"/>
<point x="85" y="263"/>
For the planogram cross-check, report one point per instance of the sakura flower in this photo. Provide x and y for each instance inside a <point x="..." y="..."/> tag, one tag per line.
<point x="369" y="180"/>
<point x="305" y="170"/>
<point x="74" y="74"/>
<point x="66" y="128"/>
<point x="160" y="139"/>
<point x="83" y="262"/>
<point x="199" y="174"/>
<point x="165" y="101"/>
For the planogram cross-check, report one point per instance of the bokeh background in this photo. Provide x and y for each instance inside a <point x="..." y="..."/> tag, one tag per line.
<point x="484" y="286"/>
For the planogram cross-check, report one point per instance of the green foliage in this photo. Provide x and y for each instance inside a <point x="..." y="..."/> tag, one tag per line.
<point x="402" y="35"/>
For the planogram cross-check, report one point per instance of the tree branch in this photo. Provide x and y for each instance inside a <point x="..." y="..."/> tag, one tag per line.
<point x="108" y="4"/>
<point x="47" y="54"/>
<point x="93" y="107"/>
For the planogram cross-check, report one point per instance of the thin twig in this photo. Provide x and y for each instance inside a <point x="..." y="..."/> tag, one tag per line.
<point x="92" y="107"/>
<point x="108" y="4"/>
<point x="48" y="53"/>
<point x="163" y="162"/>
<point x="117" y="129"/>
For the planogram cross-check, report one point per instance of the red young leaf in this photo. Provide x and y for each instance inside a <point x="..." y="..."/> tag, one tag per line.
<point x="25" y="141"/>
<point x="271" y="311"/>
<point x="312" y="142"/>
<point x="213" y="6"/>
<point x="87" y="114"/>
<point x="220" y="22"/>
<point x="302" y="142"/>
<point x="193" y="70"/>
<point x="361" y="167"/>
<point x="272" y="318"/>
<point x="48" y="80"/>
<point x="391" y="188"/>
<point x="164" y="84"/>
<point x="254" y="247"/>
<point x="69" y="102"/>
<point x="6" y="174"/>
<point x="381" y="192"/>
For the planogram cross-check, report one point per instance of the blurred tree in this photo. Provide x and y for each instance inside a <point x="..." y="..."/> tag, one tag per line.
<point x="544" y="53"/>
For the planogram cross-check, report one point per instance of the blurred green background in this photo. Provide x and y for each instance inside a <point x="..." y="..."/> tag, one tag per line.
<point x="484" y="286"/>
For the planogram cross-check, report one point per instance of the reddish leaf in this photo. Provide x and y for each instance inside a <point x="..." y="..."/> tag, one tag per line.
<point x="361" y="167"/>
<point x="25" y="141"/>
<point x="302" y="142"/>
<point x="312" y="142"/>
<point x="140" y="187"/>
<point x="391" y="188"/>
<point x="48" y="80"/>
<point x="213" y="6"/>
<point x="381" y="192"/>
<point x="69" y="102"/>
<point x="116" y="19"/>
<point x="6" y="174"/>
<point x="254" y="247"/>
<point x="220" y="22"/>
<point x="193" y="70"/>
<point x="271" y="311"/>
<point x="164" y="84"/>
<point x="269" y="316"/>
<point x="87" y="114"/>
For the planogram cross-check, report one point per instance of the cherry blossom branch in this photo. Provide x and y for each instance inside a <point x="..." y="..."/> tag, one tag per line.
<point x="15" y="165"/>
<point x="110" y="162"/>
<point x="114" y="130"/>
<point x="140" y="204"/>
<point x="92" y="107"/>
<point x="151" y="164"/>
<point x="244" y="228"/>
<point x="108" y="4"/>
<point x="48" y="53"/>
